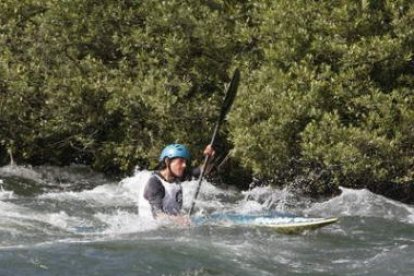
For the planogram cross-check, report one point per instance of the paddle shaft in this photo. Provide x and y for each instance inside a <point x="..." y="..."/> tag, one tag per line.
<point x="203" y="169"/>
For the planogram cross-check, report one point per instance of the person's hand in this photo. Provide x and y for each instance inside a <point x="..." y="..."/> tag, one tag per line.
<point x="209" y="151"/>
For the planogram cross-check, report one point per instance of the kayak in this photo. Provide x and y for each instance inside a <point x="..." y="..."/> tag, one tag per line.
<point x="282" y="223"/>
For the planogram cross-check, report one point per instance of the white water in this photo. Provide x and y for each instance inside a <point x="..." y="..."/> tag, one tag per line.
<point x="113" y="207"/>
<point x="363" y="203"/>
<point x="109" y="212"/>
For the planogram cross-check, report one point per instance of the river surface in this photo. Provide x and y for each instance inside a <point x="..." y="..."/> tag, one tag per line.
<point x="70" y="221"/>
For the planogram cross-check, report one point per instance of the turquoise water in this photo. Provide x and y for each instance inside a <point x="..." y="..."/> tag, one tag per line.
<point x="71" y="221"/>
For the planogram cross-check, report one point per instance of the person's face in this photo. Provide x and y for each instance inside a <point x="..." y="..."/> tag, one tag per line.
<point x="177" y="166"/>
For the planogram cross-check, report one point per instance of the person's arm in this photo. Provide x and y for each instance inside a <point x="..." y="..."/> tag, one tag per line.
<point x="154" y="192"/>
<point x="210" y="152"/>
<point x="194" y="173"/>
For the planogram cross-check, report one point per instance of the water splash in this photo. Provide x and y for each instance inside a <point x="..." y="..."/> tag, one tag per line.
<point x="363" y="203"/>
<point x="111" y="209"/>
<point x="123" y="222"/>
<point x="4" y="194"/>
<point x="101" y="222"/>
<point x="21" y="172"/>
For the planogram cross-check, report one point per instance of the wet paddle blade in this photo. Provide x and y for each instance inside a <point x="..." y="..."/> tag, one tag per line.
<point x="230" y="95"/>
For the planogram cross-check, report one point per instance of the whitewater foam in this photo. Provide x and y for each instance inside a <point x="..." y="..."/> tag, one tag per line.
<point x="22" y="172"/>
<point x="111" y="209"/>
<point x="122" y="222"/>
<point x="4" y="194"/>
<point x="363" y="203"/>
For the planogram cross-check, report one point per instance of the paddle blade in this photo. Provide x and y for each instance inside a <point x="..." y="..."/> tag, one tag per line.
<point x="230" y="94"/>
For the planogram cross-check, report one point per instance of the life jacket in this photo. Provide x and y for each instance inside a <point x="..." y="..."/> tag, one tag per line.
<point x="173" y="199"/>
<point x="171" y="203"/>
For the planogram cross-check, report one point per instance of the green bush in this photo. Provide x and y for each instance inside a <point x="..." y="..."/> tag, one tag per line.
<point x="109" y="83"/>
<point x="334" y="92"/>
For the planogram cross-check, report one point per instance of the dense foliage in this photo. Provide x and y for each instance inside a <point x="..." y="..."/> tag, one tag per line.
<point x="110" y="82"/>
<point x="334" y="93"/>
<point x="327" y="86"/>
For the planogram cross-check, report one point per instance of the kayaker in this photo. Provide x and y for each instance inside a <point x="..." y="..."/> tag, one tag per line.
<point x="163" y="190"/>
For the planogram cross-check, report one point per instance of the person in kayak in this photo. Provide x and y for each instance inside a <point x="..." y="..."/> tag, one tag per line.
<point x="163" y="190"/>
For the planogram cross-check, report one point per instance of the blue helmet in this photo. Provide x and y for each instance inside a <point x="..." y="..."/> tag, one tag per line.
<point x="175" y="150"/>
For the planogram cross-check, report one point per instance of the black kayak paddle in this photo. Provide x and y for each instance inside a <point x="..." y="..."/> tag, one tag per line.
<point x="227" y="103"/>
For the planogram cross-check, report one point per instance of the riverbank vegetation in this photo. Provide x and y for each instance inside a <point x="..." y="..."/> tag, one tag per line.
<point x="326" y="95"/>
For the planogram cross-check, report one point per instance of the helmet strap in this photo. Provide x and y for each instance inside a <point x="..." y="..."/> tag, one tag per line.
<point x="169" y="169"/>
